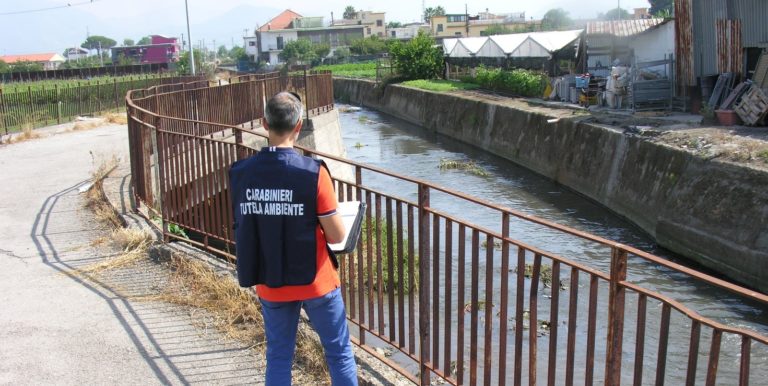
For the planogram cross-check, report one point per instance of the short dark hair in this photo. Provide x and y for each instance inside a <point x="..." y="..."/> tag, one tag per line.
<point x="283" y="112"/>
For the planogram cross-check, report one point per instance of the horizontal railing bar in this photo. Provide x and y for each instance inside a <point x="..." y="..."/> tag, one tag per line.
<point x="693" y="315"/>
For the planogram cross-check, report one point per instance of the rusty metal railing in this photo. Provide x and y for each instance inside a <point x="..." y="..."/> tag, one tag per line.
<point x="459" y="299"/>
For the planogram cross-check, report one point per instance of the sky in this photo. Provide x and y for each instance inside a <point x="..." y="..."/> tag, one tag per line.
<point x="221" y="22"/>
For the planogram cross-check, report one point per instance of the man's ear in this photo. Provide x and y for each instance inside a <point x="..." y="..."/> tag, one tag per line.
<point x="299" y="124"/>
<point x="264" y="124"/>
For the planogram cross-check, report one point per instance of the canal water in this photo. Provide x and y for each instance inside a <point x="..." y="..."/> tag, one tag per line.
<point x="392" y="144"/>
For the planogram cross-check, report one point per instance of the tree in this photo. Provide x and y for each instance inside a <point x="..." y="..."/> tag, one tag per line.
<point x="341" y="53"/>
<point x="183" y="65"/>
<point x="349" y="12"/>
<point x="394" y="24"/>
<point x="222" y="52"/>
<point x="419" y="58"/>
<point x="128" y="42"/>
<point x="555" y="19"/>
<point x="4" y="67"/>
<point x="238" y="53"/>
<point x="26" y="66"/>
<point x="144" y="41"/>
<point x="616" y="14"/>
<point x="369" y="46"/>
<point x="299" y="51"/>
<point x="322" y="50"/>
<point x="497" y="29"/>
<point x="98" y="43"/>
<point x="662" y="8"/>
<point x="430" y="12"/>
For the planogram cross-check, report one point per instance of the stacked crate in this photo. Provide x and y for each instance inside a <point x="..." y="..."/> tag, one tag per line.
<point x="753" y="107"/>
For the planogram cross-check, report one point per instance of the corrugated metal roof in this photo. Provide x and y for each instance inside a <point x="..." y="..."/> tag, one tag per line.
<point x="555" y="40"/>
<point x="622" y="28"/>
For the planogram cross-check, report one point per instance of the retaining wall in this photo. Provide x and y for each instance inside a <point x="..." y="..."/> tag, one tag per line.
<point x="713" y="212"/>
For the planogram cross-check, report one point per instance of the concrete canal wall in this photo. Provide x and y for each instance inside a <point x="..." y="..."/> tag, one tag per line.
<point x="714" y="212"/>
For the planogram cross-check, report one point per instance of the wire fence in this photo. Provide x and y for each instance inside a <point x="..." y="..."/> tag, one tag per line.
<point x="28" y="108"/>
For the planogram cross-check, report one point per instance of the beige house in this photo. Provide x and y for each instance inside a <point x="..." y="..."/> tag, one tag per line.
<point x="373" y="23"/>
<point x="463" y="25"/>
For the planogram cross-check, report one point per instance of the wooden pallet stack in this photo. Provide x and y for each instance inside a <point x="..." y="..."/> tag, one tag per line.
<point x="753" y="107"/>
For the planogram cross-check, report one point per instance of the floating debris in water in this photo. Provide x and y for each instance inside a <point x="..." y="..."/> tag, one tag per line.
<point x="465" y="165"/>
<point x="358" y="145"/>
<point x="349" y="109"/>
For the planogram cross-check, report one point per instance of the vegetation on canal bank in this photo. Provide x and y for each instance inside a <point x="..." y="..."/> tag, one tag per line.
<point x="365" y="70"/>
<point x="440" y="85"/>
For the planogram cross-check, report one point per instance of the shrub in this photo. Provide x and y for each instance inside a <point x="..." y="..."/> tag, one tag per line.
<point x="417" y="59"/>
<point x="518" y="81"/>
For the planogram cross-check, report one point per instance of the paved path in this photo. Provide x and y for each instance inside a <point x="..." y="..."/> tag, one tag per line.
<point x="58" y="329"/>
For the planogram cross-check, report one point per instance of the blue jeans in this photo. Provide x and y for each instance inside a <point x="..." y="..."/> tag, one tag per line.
<point x="327" y="315"/>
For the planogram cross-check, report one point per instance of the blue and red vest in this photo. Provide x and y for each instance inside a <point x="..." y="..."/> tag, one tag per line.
<point x="274" y="201"/>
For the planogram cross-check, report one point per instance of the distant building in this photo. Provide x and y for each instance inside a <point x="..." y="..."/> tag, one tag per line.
<point x="641" y="13"/>
<point x="161" y="50"/>
<point x="49" y="61"/>
<point x="75" y="53"/>
<point x="374" y="23"/>
<point x="463" y="25"/>
<point x="408" y="31"/>
<point x="288" y="26"/>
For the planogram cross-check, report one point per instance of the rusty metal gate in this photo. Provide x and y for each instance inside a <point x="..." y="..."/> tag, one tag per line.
<point x="462" y="301"/>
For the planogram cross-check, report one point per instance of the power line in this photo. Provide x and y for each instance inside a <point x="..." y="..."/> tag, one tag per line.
<point x="68" y="5"/>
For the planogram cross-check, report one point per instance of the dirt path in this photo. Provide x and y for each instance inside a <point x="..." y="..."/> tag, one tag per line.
<point x="60" y="327"/>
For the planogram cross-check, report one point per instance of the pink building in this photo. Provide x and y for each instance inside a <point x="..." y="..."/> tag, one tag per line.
<point x="161" y="50"/>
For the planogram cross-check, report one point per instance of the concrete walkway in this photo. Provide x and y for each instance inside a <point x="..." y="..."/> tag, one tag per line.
<point x="56" y="328"/>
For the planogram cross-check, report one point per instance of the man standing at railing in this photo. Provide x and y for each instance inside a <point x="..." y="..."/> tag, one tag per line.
<point x="285" y="214"/>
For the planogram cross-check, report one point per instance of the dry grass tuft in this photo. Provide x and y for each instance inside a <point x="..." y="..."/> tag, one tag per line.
<point x="131" y="239"/>
<point x="134" y="244"/>
<point x="94" y="197"/>
<point x="116" y="118"/>
<point x="236" y="314"/>
<point x="27" y="134"/>
<point x="87" y="125"/>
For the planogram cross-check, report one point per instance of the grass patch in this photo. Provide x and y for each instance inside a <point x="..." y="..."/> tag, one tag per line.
<point x="440" y="85"/>
<point x="465" y="165"/>
<point x="366" y="70"/>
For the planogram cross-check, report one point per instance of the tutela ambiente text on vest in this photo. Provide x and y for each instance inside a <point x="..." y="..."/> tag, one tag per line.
<point x="270" y="202"/>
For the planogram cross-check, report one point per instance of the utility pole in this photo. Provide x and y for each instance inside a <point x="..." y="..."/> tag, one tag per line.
<point x="101" y="57"/>
<point x="466" y="16"/>
<point x="189" y="36"/>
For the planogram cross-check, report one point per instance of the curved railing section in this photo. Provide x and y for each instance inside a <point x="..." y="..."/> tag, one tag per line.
<point x="462" y="299"/>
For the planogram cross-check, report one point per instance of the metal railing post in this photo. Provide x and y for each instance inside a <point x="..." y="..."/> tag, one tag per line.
<point x="616" y="294"/>
<point x="424" y="285"/>
<point x="158" y="174"/>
